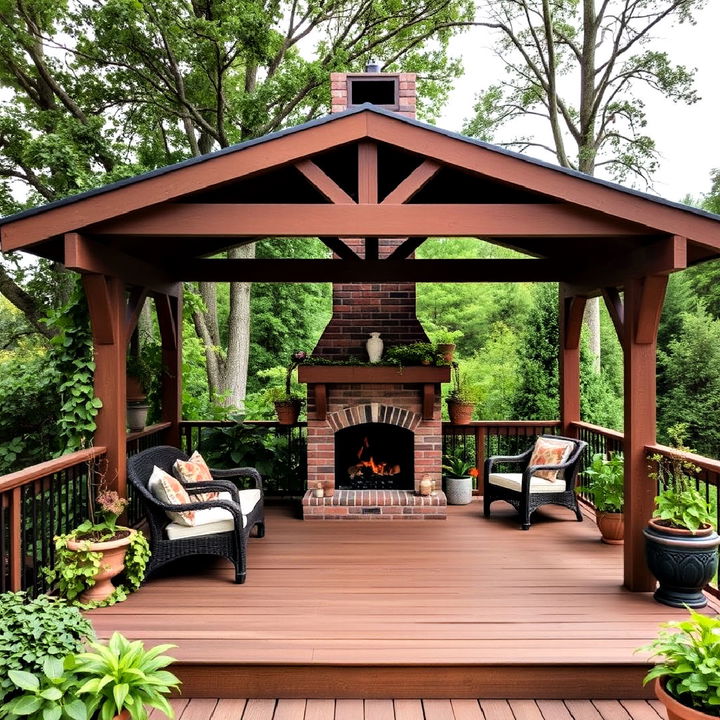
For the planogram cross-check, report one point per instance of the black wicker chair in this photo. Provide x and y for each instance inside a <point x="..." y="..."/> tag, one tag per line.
<point x="526" y="497"/>
<point x="231" y="545"/>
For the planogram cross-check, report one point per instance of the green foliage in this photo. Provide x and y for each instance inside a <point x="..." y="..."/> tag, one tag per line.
<point x="607" y="482"/>
<point x="457" y="466"/>
<point x="680" y="503"/>
<point x="122" y="675"/>
<point x="690" y="651"/>
<point x="74" y="570"/>
<point x="34" y="630"/>
<point x="419" y="353"/>
<point x="50" y="695"/>
<point x="461" y="389"/>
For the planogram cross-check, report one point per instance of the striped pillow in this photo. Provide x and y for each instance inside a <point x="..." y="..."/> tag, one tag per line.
<point x="195" y="470"/>
<point x="169" y="490"/>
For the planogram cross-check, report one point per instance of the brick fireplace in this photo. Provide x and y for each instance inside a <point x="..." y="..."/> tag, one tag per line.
<point x="373" y="431"/>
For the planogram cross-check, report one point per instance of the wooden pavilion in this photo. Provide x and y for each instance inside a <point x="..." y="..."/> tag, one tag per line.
<point x="371" y="173"/>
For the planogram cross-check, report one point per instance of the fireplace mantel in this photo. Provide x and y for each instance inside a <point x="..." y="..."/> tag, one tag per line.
<point x="319" y="376"/>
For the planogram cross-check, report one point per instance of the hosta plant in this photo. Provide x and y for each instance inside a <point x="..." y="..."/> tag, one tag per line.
<point x="122" y="675"/>
<point x="690" y="667"/>
<point x="606" y="482"/>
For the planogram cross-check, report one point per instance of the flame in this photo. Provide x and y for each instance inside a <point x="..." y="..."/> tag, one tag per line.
<point x="378" y="468"/>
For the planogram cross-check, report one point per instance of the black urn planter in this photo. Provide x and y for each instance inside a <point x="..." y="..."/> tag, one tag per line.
<point x="682" y="563"/>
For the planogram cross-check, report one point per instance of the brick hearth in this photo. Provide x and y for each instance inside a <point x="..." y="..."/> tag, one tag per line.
<point x="374" y="505"/>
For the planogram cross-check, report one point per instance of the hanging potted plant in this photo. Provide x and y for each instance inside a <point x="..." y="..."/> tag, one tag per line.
<point x="288" y="402"/>
<point x="88" y="558"/>
<point x="445" y="345"/>
<point x="459" y="476"/>
<point x="687" y="681"/>
<point x="607" y="487"/>
<point x="461" y="399"/>
<point x="681" y="544"/>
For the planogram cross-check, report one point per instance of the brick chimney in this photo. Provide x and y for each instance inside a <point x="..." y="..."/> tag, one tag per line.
<point x="362" y="308"/>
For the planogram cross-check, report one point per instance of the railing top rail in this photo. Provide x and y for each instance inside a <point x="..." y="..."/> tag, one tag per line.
<point x="606" y="432"/>
<point x="49" y="467"/>
<point x="230" y="423"/>
<point x="702" y="462"/>
<point x="149" y="430"/>
<point x="509" y="423"/>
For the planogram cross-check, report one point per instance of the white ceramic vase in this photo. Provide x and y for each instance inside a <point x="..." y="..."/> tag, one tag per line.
<point x="374" y="347"/>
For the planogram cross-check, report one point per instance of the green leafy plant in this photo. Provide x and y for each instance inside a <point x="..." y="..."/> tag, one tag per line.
<point x="51" y="695"/>
<point x="607" y="482"/>
<point x="288" y="391"/>
<point x="412" y="354"/>
<point x="691" y="661"/>
<point x="122" y="675"/>
<point x="34" y="630"/>
<point x="447" y="337"/>
<point x="680" y="504"/>
<point x="457" y="466"/>
<point x="461" y="390"/>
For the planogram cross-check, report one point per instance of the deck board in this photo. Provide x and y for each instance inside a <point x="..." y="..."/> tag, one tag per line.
<point x="369" y="599"/>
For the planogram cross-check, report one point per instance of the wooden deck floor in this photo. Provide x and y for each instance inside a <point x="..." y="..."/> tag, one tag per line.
<point x="466" y="607"/>
<point x="431" y="709"/>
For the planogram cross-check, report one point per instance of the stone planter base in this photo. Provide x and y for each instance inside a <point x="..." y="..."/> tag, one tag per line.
<point x="459" y="490"/>
<point x="374" y="505"/>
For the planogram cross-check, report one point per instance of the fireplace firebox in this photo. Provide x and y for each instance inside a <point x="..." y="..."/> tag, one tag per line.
<point x="374" y="456"/>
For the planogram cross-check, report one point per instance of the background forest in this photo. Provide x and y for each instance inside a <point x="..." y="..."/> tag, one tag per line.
<point x="94" y="92"/>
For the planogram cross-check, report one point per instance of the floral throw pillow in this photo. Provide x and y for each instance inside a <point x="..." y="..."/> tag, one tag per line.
<point x="550" y="452"/>
<point x="169" y="490"/>
<point x="195" y="470"/>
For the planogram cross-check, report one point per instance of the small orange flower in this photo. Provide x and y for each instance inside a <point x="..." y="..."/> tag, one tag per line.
<point x="473" y="472"/>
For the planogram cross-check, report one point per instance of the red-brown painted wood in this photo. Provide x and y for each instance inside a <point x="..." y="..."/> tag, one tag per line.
<point x="643" y="304"/>
<point x="366" y="219"/>
<point x="571" y="314"/>
<point x="413" y="183"/>
<point x="364" y="374"/>
<point x="616" y="310"/>
<point x="169" y="313"/>
<point x="326" y="185"/>
<point x="367" y="174"/>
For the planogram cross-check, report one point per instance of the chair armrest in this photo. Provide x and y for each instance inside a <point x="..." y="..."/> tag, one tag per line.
<point x="213" y="486"/>
<point x="506" y="458"/>
<point x="244" y="472"/>
<point x="232" y="507"/>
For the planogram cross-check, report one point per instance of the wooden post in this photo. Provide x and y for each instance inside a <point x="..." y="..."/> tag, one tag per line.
<point x="643" y="305"/>
<point x="571" y="313"/>
<point x="15" y="558"/>
<point x="169" y="312"/>
<point x="106" y="301"/>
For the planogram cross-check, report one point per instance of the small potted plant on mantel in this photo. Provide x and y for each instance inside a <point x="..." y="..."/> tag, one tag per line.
<point x="607" y="488"/>
<point x="287" y="402"/>
<point x="680" y="542"/>
<point x="687" y="681"/>
<point x="445" y="342"/>
<point x="461" y="399"/>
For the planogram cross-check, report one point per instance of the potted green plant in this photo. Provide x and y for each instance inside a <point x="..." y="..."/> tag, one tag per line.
<point x="459" y="475"/>
<point x="607" y="487"/>
<point x="445" y="342"/>
<point x="288" y="403"/>
<point x="122" y="679"/>
<point x="681" y="544"/>
<point x="98" y="550"/>
<point x="461" y="399"/>
<point x="419" y="353"/>
<point x="139" y="377"/>
<point x="687" y="681"/>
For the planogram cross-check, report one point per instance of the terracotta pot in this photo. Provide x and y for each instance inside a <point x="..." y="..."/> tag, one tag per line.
<point x="676" y="710"/>
<point x="611" y="526"/>
<point x="460" y="413"/>
<point x="682" y="562"/>
<point x="124" y="715"/>
<point x="288" y="411"/>
<point x="112" y="563"/>
<point x="446" y="352"/>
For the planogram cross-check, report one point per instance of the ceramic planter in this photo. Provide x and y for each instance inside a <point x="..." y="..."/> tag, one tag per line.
<point x="460" y="413"/>
<point x="611" y="526"/>
<point x="446" y="352"/>
<point x="112" y="563"/>
<point x="458" y="490"/>
<point x="137" y="413"/>
<point x="676" y="710"/>
<point x="288" y="411"/>
<point x="683" y="563"/>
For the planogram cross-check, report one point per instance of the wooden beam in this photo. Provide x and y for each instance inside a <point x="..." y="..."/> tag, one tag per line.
<point x="413" y="183"/>
<point x="643" y="304"/>
<point x="348" y="271"/>
<point x="89" y="256"/>
<point x="101" y="314"/>
<point x="615" y="308"/>
<point x="367" y="174"/>
<point x="322" y="182"/>
<point x="406" y="249"/>
<point x="340" y="248"/>
<point x="169" y="314"/>
<point x="136" y="302"/>
<point x="366" y="220"/>
<point x="572" y="308"/>
<point x="161" y="187"/>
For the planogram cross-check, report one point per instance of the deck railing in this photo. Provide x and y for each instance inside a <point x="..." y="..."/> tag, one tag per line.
<point x="36" y="504"/>
<point x="599" y="440"/>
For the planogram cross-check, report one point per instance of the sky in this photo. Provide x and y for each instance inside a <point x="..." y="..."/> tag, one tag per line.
<point x="687" y="137"/>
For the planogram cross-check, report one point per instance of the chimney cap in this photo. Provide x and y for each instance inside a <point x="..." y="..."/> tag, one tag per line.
<point x="373" y="66"/>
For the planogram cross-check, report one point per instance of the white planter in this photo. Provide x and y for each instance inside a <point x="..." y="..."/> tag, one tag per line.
<point x="374" y="347"/>
<point x="458" y="490"/>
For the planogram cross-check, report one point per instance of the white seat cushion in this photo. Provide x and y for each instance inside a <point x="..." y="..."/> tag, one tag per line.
<point x="207" y="522"/>
<point x="513" y="481"/>
<point x="248" y="500"/>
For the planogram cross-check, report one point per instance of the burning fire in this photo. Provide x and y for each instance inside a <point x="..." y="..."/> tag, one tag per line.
<point x="377" y="468"/>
